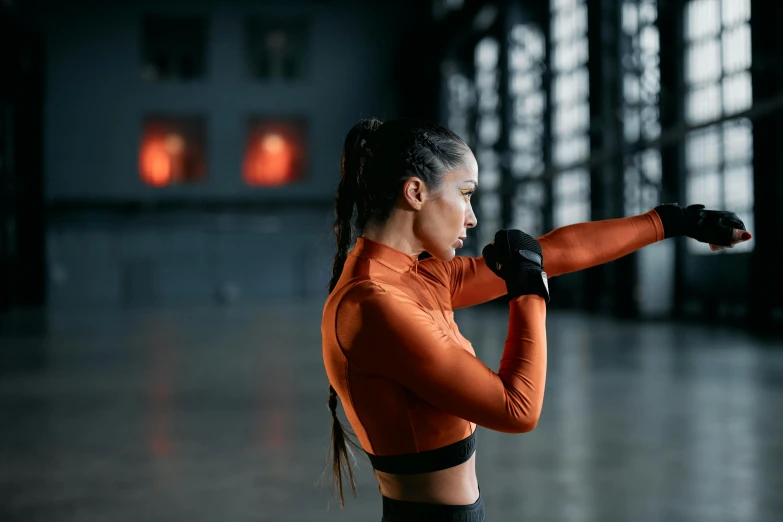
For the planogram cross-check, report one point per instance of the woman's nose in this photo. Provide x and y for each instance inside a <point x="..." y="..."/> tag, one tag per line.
<point x="470" y="220"/>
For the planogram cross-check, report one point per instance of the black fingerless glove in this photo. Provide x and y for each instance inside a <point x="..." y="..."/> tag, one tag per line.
<point x="517" y="258"/>
<point x="715" y="227"/>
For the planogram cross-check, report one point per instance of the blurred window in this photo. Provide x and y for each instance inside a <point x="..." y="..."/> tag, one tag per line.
<point x="486" y="59"/>
<point x="527" y="62"/>
<point x="460" y="101"/>
<point x="274" y="151"/>
<point x="276" y="48"/>
<point x="172" y="150"/>
<point x="570" y="111"/>
<point x="641" y="89"/>
<point x="173" y="48"/>
<point x="719" y="158"/>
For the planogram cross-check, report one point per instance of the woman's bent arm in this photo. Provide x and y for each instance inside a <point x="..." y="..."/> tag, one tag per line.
<point x="386" y="332"/>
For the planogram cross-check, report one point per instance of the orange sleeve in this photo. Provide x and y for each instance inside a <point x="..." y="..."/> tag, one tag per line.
<point x="566" y="249"/>
<point x="469" y="280"/>
<point x="576" y="247"/>
<point x="386" y="332"/>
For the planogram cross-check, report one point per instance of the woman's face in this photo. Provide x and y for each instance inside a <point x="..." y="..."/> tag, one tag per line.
<point x="447" y="214"/>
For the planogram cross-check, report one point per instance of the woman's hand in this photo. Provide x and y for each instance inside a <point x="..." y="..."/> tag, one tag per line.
<point x="516" y="257"/>
<point x="719" y="228"/>
<point x="739" y="236"/>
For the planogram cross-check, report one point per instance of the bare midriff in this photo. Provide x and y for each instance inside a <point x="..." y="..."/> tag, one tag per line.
<point x="453" y="486"/>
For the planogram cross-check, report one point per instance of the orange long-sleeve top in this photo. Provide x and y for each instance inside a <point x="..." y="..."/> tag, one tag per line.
<point x="408" y="380"/>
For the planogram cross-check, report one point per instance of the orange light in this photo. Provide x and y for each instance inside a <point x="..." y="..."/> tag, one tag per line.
<point x="155" y="164"/>
<point x="269" y="161"/>
<point x="161" y="159"/>
<point x="175" y="144"/>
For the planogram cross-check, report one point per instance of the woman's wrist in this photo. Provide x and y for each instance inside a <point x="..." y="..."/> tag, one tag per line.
<point x="672" y="219"/>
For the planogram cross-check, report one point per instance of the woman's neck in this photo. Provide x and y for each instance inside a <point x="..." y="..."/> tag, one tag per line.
<point x="390" y="235"/>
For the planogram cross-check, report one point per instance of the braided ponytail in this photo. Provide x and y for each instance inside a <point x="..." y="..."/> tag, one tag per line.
<point x="351" y="169"/>
<point x="352" y="165"/>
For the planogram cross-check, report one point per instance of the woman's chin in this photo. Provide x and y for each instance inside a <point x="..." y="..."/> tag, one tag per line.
<point x="445" y="255"/>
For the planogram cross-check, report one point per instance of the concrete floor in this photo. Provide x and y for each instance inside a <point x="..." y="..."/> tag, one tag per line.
<point x="220" y="414"/>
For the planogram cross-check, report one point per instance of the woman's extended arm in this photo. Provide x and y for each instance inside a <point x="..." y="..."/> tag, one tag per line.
<point x="576" y="247"/>
<point x="565" y="249"/>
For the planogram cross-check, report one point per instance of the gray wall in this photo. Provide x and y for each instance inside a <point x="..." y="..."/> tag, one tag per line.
<point x="189" y="259"/>
<point x="96" y="98"/>
<point x="95" y="102"/>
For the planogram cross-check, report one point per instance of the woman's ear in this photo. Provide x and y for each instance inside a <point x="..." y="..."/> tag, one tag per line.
<point x="414" y="192"/>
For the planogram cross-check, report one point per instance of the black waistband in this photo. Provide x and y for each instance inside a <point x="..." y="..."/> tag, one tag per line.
<point x="426" y="461"/>
<point x="399" y="511"/>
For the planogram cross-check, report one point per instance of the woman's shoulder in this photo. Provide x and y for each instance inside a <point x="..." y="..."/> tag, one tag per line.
<point x="370" y="298"/>
<point x="371" y="313"/>
<point x="371" y="292"/>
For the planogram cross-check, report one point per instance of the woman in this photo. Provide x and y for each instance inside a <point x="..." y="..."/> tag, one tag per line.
<point x="410" y="383"/>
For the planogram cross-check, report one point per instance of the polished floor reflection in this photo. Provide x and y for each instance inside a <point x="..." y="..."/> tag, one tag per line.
<point x="220" y="414"/>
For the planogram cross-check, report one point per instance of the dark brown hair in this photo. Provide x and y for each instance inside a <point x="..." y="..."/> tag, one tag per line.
<point x="377" y="158"/>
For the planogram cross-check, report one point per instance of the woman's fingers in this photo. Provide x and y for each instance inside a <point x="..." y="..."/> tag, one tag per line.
<point x="739" y="236"/>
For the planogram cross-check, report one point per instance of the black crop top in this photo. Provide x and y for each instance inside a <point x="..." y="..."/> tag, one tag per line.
<point x="426" y="461"/>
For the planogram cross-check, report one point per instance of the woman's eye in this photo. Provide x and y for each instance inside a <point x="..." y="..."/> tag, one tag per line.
<point x="467" y="192"/>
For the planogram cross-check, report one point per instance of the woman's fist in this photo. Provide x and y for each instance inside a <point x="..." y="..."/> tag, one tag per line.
<point x="517" y="258"/>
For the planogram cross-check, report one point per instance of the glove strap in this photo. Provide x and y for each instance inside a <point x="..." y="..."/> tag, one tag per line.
<point x="672" y="219"/>
<point x="531" y="281"/>
<point x="531" y="256"/>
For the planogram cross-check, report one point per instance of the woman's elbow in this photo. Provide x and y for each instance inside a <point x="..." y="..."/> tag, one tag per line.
<point x="528" y="425"/>
<point x="523" y="423"/>
<point x="523" y="410"/>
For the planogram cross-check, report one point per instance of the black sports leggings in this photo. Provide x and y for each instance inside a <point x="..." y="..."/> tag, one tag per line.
<point x="402" y="511"/>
